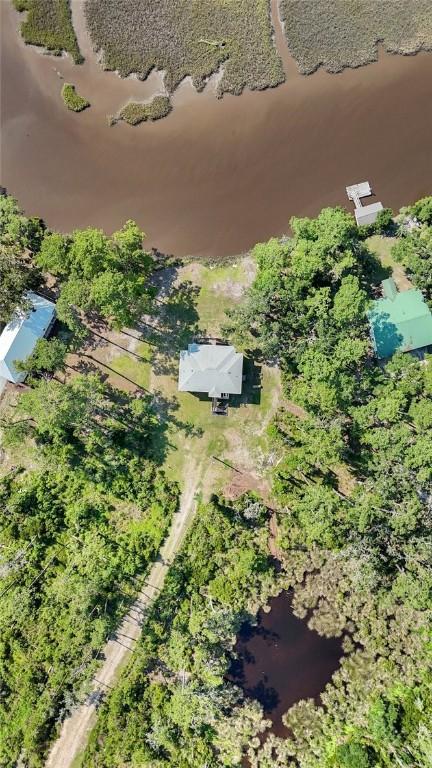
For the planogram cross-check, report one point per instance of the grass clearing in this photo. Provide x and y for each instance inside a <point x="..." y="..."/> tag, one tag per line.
<point x="346" y="33"/>
<point x="382" y="246"/>
<point x="49" y="24"/>
<point x="194" y="433"/>
<point x="220" y="288"/>
<point x="138" y="370"/>
<point x="136" y="112"/>
<point x="22" y="453"/>
<point x="72" y="99"/>
<point x="188" y="38"/>
<point x="232" y="444"/>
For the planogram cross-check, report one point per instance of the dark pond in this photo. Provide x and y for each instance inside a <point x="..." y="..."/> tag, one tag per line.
<point x="281" y="661"/>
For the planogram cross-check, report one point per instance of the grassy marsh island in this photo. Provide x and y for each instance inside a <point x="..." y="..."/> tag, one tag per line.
<point x="49" y="24"/>
<point x="188" y="39"/>
<point x="346" y="33"/>
<point x="137" y="112"/>
<point x="72" y="99"/>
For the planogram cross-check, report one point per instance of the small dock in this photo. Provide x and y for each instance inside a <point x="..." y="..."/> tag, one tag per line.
<point x="364" y="214"/>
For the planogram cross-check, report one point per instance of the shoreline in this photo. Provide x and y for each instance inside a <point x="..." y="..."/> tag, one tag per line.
<point x="94" y="57"/>
<point x="220" y="174"/>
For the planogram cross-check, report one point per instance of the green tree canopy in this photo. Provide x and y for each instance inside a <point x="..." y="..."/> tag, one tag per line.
<point x="414" y="251"/>
<point x="47" y="356"/>
<point x="20" y="237"/>
<point x="101" y="274"/>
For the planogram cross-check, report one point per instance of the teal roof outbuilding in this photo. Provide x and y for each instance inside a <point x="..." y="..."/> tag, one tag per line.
<point x="399" y="321"/>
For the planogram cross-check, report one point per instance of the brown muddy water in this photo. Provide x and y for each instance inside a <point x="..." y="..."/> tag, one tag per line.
<point x="280" y="661"/>
<point x="216" y="176"/>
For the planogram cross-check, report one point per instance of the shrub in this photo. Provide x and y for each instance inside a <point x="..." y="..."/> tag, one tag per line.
<point x="72" y="100"/>
<point x="21" y="5"/>
<point x="422" y="210"/>
<point x="384" y="221"/>
<point x="135" y="112"/>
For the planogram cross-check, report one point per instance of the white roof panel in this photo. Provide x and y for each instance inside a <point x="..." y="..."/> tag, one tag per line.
<point x="19" y="337"/>
<point x="368" y="213"/>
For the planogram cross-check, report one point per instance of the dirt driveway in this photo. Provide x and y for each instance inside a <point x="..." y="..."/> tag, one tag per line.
<point x="76" y="728"/>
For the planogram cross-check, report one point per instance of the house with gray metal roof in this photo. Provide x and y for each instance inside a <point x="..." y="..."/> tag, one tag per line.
<point x="18" y="338"/>
<point x="364" y="214"/>
<point x="211" y="368"/>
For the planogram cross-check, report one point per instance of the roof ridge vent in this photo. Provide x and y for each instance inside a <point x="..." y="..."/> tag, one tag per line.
<point x="389" y="289"/>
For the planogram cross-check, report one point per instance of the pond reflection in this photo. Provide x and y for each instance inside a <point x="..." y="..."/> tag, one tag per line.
<point x="281" y="661"/>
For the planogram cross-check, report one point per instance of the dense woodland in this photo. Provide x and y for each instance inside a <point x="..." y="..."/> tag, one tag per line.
<point x="173" y="705"/>
<point x="353" y="484"/>
<point x="85" y="510"/>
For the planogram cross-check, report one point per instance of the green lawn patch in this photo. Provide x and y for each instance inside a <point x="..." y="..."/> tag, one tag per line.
<point x="72" y="99"/>
<point x="137" y="370"/>
<point x="136" y="112"/>
<point x="49" y="24"/>
<point x="188" y="37"/>
<point x="382" y="246"/>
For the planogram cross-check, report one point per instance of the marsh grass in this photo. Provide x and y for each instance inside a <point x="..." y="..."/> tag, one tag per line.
<point x="346" y="33"/>
<point x="188" y="37"/>
<point x="49" y="24"/>
<point x="136" y="112"/>
<point x="72" y="99"/>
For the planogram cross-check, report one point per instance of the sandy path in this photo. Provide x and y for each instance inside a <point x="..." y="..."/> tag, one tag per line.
<point x="76" y="728"/>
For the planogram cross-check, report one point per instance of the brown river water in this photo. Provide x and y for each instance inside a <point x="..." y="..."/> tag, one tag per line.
<point x="215" y="176"/>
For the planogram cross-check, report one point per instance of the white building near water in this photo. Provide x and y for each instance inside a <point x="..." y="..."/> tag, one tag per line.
<point x="18" y="339"/>
<point x="364" y="214"/>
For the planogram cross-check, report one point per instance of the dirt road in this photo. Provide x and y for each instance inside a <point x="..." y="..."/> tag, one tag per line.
<point x="76" y="728"/>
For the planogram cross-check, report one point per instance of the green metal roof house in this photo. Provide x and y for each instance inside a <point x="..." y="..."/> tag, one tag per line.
<point x="399" y="321"/>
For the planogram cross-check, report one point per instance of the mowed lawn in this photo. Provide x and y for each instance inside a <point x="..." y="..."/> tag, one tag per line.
<point x="381" y="246"/>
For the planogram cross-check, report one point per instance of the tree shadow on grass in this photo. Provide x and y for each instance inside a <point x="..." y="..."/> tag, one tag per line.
<point x="127" y="351"/>
<point x="164" y="277"/>
<point x="166" y="408"/>
<point x="88" y="364"/>
<point x="170" y="329"/>
<point x="174" y="327"/>
<point x="374" y="270"/>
